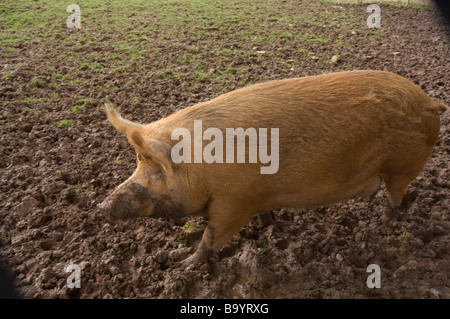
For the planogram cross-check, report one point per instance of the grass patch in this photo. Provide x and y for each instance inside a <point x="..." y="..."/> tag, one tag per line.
<point x="76" y="108"/>
<point x="64" y="123"/>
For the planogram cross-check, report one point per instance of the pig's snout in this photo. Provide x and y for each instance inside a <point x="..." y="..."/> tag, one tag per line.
<point x="129" y="200"/>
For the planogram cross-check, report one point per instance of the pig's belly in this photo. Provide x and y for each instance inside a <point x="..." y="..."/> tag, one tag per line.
<point x="326" y="196"/>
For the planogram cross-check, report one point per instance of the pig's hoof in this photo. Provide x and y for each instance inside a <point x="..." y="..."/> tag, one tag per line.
<point x="195" y="261"/>
<point x="408" y="199"/>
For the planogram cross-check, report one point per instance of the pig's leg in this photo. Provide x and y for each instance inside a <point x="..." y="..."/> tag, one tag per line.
<point x="223" y="224"/>
<point x="396" y="187"/>
<point x="371" y="190"/>
<point x="203" y="251"/>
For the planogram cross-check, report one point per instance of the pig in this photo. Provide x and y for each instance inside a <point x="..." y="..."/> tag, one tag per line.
<point x="340" y="135"/>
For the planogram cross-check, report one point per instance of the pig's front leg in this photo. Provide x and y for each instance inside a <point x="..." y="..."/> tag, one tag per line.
<point x="203" y="252"/>
<point x="223" y="224"/>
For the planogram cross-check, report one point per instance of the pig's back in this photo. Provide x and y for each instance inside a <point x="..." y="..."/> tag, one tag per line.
<point x="333" y="98"/>
<point x="331" y="107"/>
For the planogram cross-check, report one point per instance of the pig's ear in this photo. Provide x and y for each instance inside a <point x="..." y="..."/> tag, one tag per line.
<point x="121" y="124"/>
<point x="157" y="152"/>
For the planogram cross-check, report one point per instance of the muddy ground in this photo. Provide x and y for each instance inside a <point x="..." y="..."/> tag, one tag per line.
<point x="57" y="163"/>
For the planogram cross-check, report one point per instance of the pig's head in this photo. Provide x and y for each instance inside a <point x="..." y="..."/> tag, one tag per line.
<point x="152" y="190"/>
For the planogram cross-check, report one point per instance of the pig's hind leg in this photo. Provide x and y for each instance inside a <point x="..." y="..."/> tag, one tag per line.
<point x="371" y="190"/>
<point x="396" y="187"/>
<point x="400" y="170"/>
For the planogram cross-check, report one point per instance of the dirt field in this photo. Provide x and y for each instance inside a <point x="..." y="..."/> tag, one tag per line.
<point x="60" y="157"/>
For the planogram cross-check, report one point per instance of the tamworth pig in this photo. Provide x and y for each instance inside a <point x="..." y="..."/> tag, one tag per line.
<point x="339" y="135"/>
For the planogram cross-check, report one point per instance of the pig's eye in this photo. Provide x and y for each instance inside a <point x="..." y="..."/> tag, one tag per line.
<point x="139" y="157"/>
<point x="148" y="173"/>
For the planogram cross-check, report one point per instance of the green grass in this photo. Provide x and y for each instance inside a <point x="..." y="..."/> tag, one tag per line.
<point x="404" y="239"/>
<point x="190" y="225"/>
<point x="76" y="108"/>
<point x="80" y="191"/>
<point x="63" y="123"/>
<point x="31" y="100"/>
<point x="194" y="43"/>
